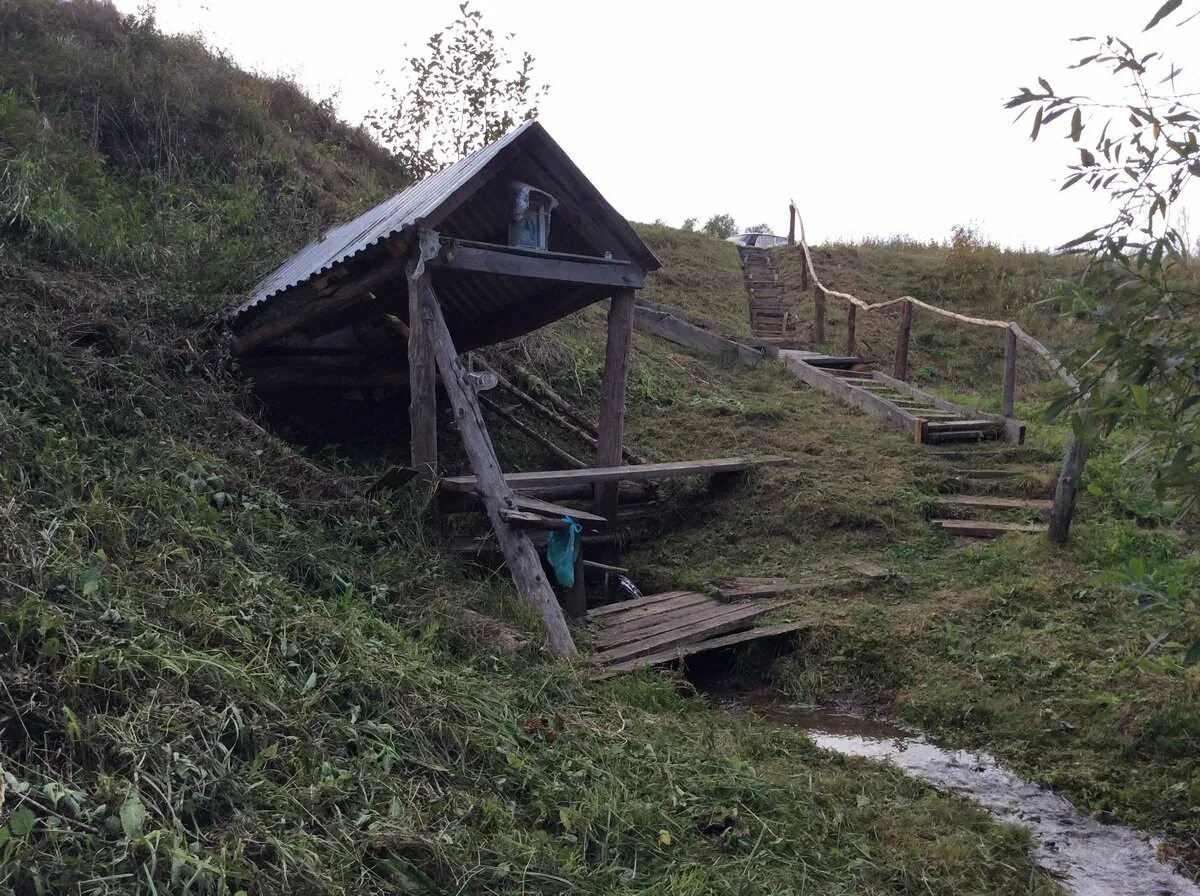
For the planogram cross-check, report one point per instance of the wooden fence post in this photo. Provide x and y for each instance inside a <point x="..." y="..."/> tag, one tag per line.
<point x="851" y="321"/>
<point x="1009" y="389"/>
<point x="612" y="397"/>
<point x="900" y="367"/>
<point x="819" y="317"/>
<point x="422" y="389"/>
<point x="791" y="225"/>
<point x="523" y="561"/>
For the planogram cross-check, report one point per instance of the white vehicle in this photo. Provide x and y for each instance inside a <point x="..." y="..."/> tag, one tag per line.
<point x="758" y="240"/>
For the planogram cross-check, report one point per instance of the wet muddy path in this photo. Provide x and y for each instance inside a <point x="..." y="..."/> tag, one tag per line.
<point x="1088" y="857"/>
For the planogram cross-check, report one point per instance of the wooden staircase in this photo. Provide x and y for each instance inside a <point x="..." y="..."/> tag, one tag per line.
<point x="770" y="312"/>
<point x="930" y="419"/>
<point x="1010" y="494"/>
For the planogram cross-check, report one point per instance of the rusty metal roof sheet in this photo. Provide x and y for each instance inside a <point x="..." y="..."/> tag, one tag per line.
<point x="371" y="227"/>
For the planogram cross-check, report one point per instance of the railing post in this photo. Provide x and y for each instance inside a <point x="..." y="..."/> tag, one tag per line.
<point x="900" y="367"/>
<point x="851" y="314"/>
<point x="819" y="317"/>
<point x="1009" y="389"/>
<point x="791" y="225"/>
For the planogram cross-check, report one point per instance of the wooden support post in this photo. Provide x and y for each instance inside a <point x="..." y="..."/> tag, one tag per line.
<point x="523" y="561"/>
<point x="575" y="599"/>
<point x="1009" y="390"/>
<point x="791" y="225"/>
<point x="900" y="367"/>
<point x="851" y="322"/>
<point x="612" y="397"/>
<point x="422" y="387"/>
<point x="1067" y="491"/>
<point x="819" y="317"/>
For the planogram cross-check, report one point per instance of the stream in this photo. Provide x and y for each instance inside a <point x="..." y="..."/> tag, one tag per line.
<point x="1089" y="858"/>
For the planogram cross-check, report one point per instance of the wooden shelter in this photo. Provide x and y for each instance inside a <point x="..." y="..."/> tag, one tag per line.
<point x="499" y="244"/>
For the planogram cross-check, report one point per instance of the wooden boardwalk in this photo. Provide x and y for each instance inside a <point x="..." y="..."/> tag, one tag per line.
<point x="662" y="628"/>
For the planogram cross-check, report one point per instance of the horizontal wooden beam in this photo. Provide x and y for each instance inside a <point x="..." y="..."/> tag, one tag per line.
<point x="631" y="473"/>
<point x="600" y="272"/>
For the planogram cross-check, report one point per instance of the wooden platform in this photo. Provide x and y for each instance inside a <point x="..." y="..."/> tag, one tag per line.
<point x="662" y="628"/>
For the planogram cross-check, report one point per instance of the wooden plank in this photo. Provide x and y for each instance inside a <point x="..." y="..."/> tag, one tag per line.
<point x="612" y="395"/>
<point x="626" y="605"/>
<point x="673" y="329"/>
<point x="998" y="473"/>
<point x="525" y="520"/>
<point x="996" y="503"/>
<point x="546" y="508"/>
<point x="530" y="252"/>
<point x="630" y="473"/>
<point x="635" y="616"/>
<point x="652" y="614"/>
<point x="522" y="560"/>
<point x="473" y="259"/>
<point x="985" y="528"/>
<point x="738" y="619"/>
<point x="677" y="653"/>
<point x="1008" y="390"/>
<point x="422" y="399"/>
<point x="951" y="425"/>
<point x="681" y="619"/>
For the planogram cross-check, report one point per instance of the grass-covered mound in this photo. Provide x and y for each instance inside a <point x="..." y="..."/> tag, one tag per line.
<point x="223" y="671"/>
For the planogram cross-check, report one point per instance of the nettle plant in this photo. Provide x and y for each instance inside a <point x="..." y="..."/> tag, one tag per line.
<point x="1140" y="359"/>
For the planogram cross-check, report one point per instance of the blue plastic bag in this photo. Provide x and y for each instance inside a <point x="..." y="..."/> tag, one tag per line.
<point x="560" y="551"/>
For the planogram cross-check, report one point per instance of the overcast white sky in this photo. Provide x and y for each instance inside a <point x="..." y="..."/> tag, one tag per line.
<point x="880" y="118"/>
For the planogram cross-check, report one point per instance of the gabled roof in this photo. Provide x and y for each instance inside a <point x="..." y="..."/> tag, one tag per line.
<point x="426" y="203"/>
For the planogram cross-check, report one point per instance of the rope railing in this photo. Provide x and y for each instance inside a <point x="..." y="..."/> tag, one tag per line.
<point x="907" y="303"/>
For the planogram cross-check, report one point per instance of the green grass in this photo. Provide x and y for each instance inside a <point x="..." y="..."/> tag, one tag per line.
<point x="1010" y="645"/>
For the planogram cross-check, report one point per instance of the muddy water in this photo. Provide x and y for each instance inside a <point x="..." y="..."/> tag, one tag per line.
<point x="1090" y="858"/>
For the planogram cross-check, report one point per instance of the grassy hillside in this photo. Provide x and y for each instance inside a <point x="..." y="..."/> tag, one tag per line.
<point x="1011" y="645"/>
<point x="222" y="670"/>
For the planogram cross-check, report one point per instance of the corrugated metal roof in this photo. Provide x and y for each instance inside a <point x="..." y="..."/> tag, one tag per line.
<point x="386" y="219"/>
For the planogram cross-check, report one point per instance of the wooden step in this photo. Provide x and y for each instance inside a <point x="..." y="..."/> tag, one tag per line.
<point x="995" y="502"/>
<point x="964" y="424"/>
<point x="990" y="475"/>
<point x="851" y="374"/>
<point x="985" y="528"/>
